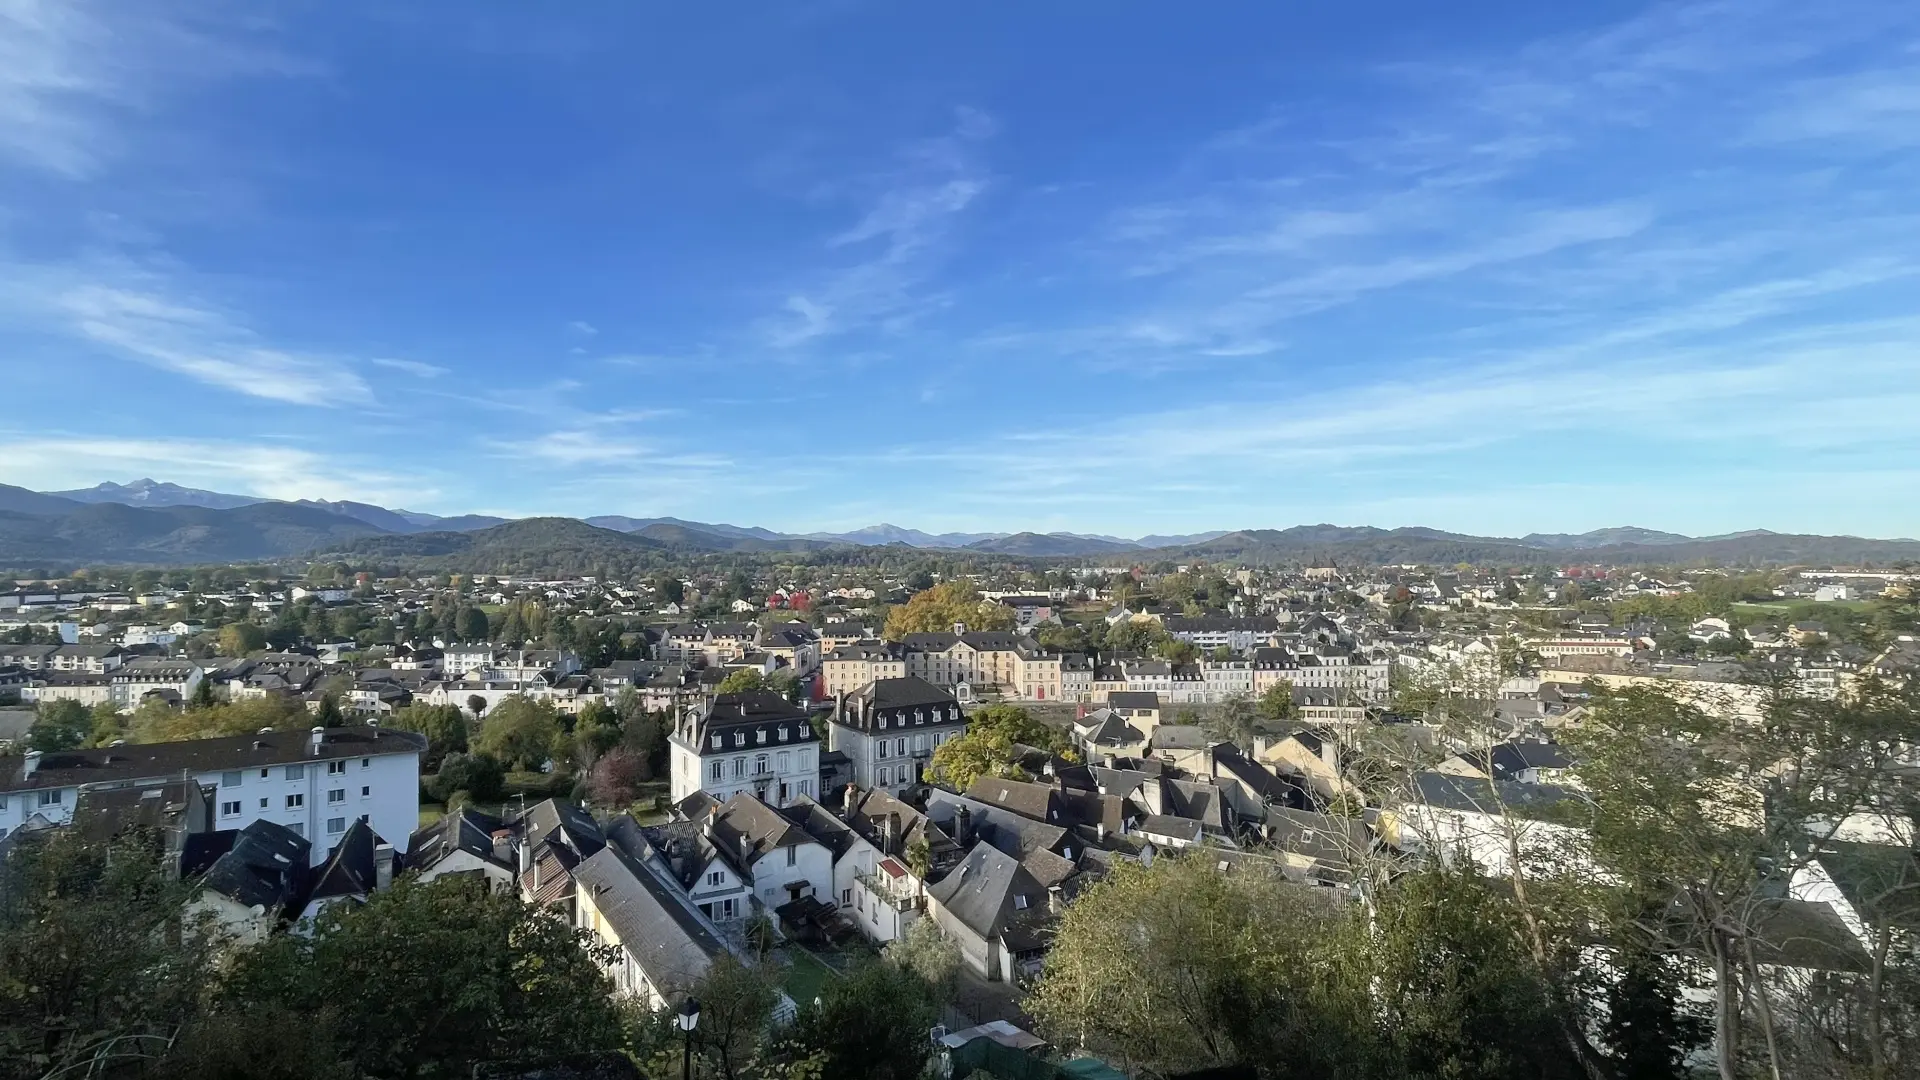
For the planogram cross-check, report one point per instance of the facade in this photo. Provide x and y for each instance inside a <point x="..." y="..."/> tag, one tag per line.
<point x="757" y="743"/>
<point x="316" y="784"/>
<point x="888" y="730"/>
<point x="849" y="667"/>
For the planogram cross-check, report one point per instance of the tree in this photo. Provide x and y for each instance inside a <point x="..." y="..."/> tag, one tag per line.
<point x="59" y="725"/>
<point x="939" y="608"/>
<point x="472" y="625"/>
<point x="90" y="967"/>
<point x="1237" y="721"/>
<point x="329" y="714"/>
<point x="426" y="979"/>
<point x="519" y="732"/>
<point x="1276" y="705"/>
<point x="870" y="1024"/>
<point x="987" y="747"/>
<point x="242" y="639"/>
<point x="1239" y="973"/>
<point x="736" y="1006"/>
<point x="741" y="681"/>
<point x="614" y="780"/>
<point x="445" y="727"/>
<point x="1649" y="1032"/>
<point x="930" y="954"/>
<point x="202" y="697"/>
<point x="480" y="776"/>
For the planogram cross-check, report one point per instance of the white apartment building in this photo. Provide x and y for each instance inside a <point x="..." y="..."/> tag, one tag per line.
<point x="315" y="783"/>
<point x="755" y="743"/>
<point x="889" y="730"/>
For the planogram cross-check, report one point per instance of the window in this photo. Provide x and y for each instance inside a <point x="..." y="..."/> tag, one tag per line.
<point x="784" y="763"/>
<point x="886" y="776"/>
<point x="263" y="773"/>
<point x="760" y="766"/>
<point x="806" y="760"/>
<point x="739" y="767"/>
<point x="337" y="795"/>
<point x="336" y="824"/>
<point x="263" y="804"/>
<point x="231" y="779"/>
<point x="295" y="772"/>
<point x="294" y="802"/>
<point x="883" y="750"/>
<point x="335" y="768"/>
<point x="883" y="723"/>
<point x="740" y="738"/>
<point x="51" y="798"/>
<point x="793" y="855"/>
<point x="716" y="771"/>
<point x="846" y="897"/>
<point x="299" y="828"/>
<point x="900" y="747"/>
<point x="806" y="788"/>
<point x="230" y="809"/>
<point x="366" y="763"/>
<point x="716" y="742"/>
<point x="1020" y="901"/>
<point x="760" y="737"/>
<point x="783" y="733"/>
<point x="716" y="878"/>
<point x="365" y="790"/>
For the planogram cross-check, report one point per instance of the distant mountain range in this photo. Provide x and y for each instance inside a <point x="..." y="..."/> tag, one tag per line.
<point x="148" y="521"/>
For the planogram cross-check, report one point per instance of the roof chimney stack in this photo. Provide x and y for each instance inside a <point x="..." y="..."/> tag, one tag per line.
<point x="313" y="743"/>
<point x="33" y="763"/>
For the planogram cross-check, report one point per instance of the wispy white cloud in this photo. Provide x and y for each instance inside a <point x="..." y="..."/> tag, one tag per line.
<point x="142" y="320"/>
<point x="899" y="240"/>
<point x="581" y="328"/>
<point x="75" y="73"/>
<point x="411" y="367"/>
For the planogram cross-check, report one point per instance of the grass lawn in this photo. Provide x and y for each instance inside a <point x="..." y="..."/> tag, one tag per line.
<point x="1775" y="607"/>
<point x="806" y="974"/>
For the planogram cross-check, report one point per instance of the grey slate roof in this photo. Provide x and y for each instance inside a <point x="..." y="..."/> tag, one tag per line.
<point x="142" y="761"/>
<point x="349" y="869"/>
<point x="654" y="927"/>
<point x="465" y="829"/>
<point x="265" y="868"/>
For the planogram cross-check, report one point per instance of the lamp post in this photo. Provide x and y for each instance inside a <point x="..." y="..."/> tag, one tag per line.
<point x="686" y="1020"/>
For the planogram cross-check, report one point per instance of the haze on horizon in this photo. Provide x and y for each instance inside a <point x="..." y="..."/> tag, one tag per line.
<point x="1498" y="270"/>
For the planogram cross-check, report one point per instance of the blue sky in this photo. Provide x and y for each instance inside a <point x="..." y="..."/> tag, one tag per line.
<point x="1122" y="268"/>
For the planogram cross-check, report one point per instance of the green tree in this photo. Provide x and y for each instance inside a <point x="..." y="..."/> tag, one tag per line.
<point x="242" y="639"/>
<point x="329" y="714"/>
<point x="202" y="697"/>
<point x="480" y="776"/>
<point x="519" y="732"/>
<point x="930" y="954"/>
<point x="472" y="625"/>
<point x="736" y="1008"/>
<point x="1276" y="705"/>
<point x="91" y="962"/>
<point x="445" y="727"/>
<point x="987" y="747"/>
<point x="59" y="725"/>
<point x="870" y="1024"/>
<point x="426" y="979"/>
<point x="1246" y="969"/>
<point x="741" y="681"/>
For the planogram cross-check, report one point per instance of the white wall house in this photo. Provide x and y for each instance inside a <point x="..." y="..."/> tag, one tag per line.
<point x="889" y="729"/>
<point x="315" y="783"/>
<point x="755" y="743"/>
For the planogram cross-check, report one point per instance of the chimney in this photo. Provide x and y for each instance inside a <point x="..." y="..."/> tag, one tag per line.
<point x="1100" y="830"/>
<point x="887" y="830"/>
<point x="313" y="744"/>
<point x="959" y="628"/>
<point x="382" y="866"/>
<point x="1053" y="899"/>
<point x="1047" y="769"/>
<point x="963" y="827"/>
<point x="33" y="763"/>
<point x="503" y="846"/>
<point x="746" y="849"/>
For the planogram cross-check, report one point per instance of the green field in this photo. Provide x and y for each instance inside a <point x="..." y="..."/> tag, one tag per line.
<point x="1776" y="607"/>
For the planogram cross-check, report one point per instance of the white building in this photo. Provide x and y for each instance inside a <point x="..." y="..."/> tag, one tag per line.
<point x="889" y="729"/>
<point x="756" y="743"/>
<point x="315" y="783"/>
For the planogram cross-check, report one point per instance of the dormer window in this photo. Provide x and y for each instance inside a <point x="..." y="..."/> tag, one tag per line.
<point x="783" y="733"/>
<point x="740" y="738"/>
<point x="760" y="736"/>
<point x="716" y="742"/>
<point x="1020" y="901"/>
<point x="883" y="723"/>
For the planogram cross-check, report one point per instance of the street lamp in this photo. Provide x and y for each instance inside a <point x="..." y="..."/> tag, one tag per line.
<point x="686" y="1020"/>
